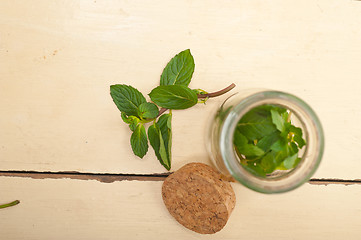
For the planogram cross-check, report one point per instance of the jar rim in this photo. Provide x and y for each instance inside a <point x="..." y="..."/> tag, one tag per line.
<point x="310" y="160"/>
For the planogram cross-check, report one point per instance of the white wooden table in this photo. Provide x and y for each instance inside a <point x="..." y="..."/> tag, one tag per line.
<point x="58" y="58"/>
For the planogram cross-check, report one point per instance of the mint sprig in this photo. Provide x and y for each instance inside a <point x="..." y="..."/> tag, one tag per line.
<point x="173" y="93"/>
<point x="265" y="140"/>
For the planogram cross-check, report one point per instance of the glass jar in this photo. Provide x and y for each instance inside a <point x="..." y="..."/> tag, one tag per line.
<point x="222" y="128"/>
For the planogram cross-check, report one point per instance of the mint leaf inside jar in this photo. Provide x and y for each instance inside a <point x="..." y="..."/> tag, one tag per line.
<point x="266" y="140"/>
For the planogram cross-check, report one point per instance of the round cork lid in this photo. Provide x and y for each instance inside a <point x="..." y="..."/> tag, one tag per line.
<point x="198" y="198"/>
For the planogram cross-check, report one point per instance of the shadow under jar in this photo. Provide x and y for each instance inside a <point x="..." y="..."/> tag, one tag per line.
<point x="224" y="154"/>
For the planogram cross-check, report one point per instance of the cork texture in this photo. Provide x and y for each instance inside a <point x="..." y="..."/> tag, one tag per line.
<point x="198" y="198"/>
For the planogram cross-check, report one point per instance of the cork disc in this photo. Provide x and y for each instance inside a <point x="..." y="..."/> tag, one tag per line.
<point x="198" y="198"/>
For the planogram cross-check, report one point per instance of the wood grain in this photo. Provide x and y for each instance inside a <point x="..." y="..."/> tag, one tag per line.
<point x="58" y="59"/>
<point x="74" y="209"/>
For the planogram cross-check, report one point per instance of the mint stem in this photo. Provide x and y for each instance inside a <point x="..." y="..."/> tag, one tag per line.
<point x="208" y="95"/>
<point x="161" y="111"/>
<point x="10" y="204"/>
<point x="218" y="93"/>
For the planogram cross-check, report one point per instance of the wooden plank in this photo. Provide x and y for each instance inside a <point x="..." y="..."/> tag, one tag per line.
<point x="75" y="209"/>
<point x="58" y="59"/>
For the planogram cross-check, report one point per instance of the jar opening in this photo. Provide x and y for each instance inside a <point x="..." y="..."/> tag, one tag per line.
<point x="269" y="141"/>
<point x="280" y="180"/>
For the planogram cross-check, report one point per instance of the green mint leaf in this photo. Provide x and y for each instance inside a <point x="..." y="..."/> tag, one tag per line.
<point x="160" y="138"/>
<point x="296" y="130"/>
<point x="297" y="136"/>
<point x="127" y="98"/>
<point x="169" y="121"/>
<point x="268" y="163"/>
<point x="255" y="168"/>
<point x="163" y="152"/>
<point x="179" y="70"/>
<point x="153" y="136"/>
<point x="278" y="120"/>
<point x="269" y="107"/>
<point x="290" y="161"/>
<point x="245" y="148"/>
<point x="174" y="97"/>
<point x="139" y="141"/>
<point x="169" y="135"/>
<point x="267" y="141"/>
<point x="131" y="120"/>
<point x="279" y="145"/>
<point x="299" y="140"/>
<point x="239" y="139"/>
<point x="164" y="123"/>
<point x="279" y="157"/>
<point x="286" y="120"/>
<point x="292" y="148"/>
<point x="148" y="110"/>
<point x="289" y="150"/>
<point x="256" y="124"/>
<point x="157" y="143"/>
<point x="251" y="151"/>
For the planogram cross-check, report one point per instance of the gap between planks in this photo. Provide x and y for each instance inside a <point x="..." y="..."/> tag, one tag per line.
<point x="112" y="177"/>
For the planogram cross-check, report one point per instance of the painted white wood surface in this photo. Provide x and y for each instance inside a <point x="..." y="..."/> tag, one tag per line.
<point x="75" y="209"/>
<point x="58" y="58"/>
